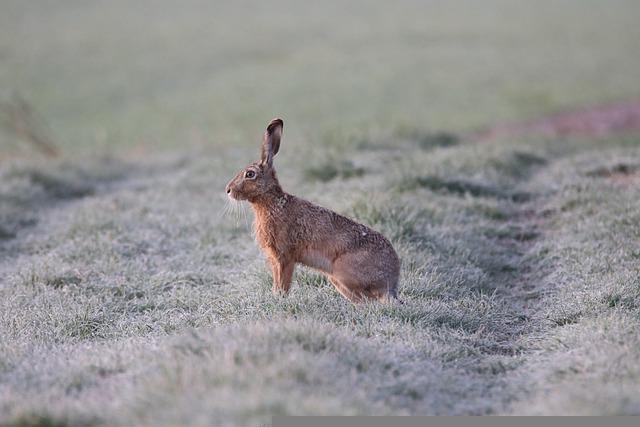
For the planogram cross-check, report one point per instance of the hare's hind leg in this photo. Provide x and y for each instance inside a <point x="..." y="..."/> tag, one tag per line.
<point x="361" y="278"/>
<point x="358" y="296"/>
<point x="345" y="291"/>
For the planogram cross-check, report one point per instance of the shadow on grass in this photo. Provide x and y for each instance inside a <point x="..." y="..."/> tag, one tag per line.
<point x="460" y="187"/>
<point x="428" y="140"/>
<point x="343" y="169"/>
<point x="44" y="420"/>
<point x="25" y="192"/>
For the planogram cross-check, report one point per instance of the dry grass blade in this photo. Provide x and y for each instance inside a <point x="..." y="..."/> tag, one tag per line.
<point x="19" y="118"/>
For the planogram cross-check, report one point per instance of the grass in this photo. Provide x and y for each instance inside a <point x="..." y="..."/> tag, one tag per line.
<point x="127" y="298"/>
<point x="160" y="311"/>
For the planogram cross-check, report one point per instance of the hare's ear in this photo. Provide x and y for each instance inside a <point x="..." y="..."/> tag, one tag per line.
<point x="271" y="141"/>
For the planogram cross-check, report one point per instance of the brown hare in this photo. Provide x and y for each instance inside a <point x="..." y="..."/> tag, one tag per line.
<point x="360" y="262"/>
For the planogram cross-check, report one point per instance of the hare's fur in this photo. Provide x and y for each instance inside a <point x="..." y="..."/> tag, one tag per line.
<point x="360" y="262"/>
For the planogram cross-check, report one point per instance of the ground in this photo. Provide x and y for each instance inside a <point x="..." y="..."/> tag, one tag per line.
<point x="130" y="294"/>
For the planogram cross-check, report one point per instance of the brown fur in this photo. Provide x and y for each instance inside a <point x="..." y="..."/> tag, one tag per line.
<point x="359" y="261"/>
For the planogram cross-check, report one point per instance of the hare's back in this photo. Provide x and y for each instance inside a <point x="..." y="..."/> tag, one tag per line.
<point x="325" y="231"/>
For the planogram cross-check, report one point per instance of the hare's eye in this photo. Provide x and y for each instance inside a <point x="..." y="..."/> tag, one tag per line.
<point x="250" y="174"/>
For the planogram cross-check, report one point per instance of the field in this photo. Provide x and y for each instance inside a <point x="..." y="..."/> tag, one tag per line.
<point x="132" y="292"/>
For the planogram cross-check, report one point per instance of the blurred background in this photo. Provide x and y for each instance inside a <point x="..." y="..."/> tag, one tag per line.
<point x="118" y="77"/>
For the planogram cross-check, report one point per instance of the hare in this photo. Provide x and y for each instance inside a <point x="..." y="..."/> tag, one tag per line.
<point x="360" y="262"/>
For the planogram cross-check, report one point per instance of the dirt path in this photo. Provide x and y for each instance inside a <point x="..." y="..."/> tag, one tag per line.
<point x="601" y="121"/>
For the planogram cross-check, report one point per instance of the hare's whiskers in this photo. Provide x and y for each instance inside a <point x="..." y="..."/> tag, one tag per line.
<point x="224" y="210"/>
<point x="236" y="212"/>
<point x="244" y="213"/>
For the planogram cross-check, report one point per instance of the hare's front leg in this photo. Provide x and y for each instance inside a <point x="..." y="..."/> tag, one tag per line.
<point x="282" y="273"/>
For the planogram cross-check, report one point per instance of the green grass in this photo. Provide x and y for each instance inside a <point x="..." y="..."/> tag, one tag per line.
<point x="117" y="77"/>
<point x="128" y="298"/>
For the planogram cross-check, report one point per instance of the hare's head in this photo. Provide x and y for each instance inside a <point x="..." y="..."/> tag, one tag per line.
<point x="259" y="178"/>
